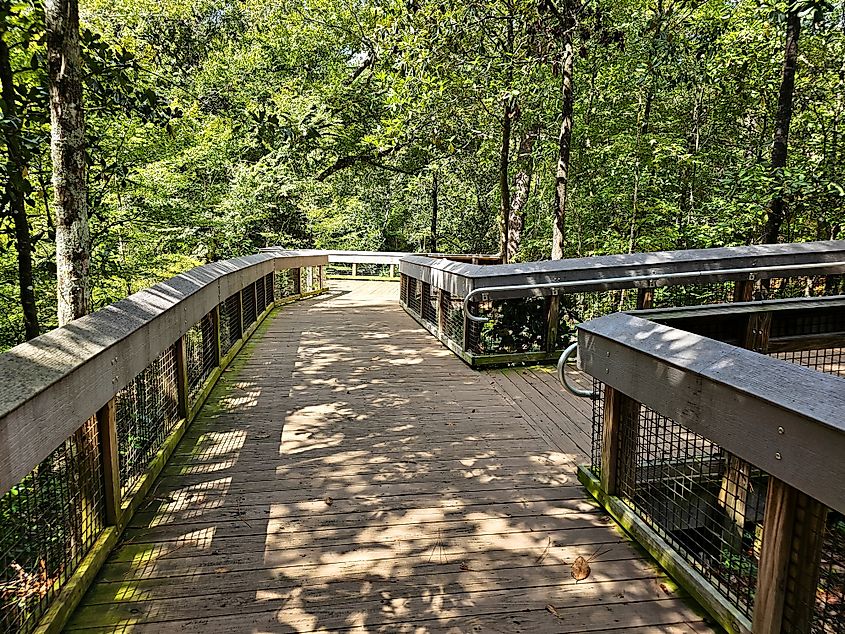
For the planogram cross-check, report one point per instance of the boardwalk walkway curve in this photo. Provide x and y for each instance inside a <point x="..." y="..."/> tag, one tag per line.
<point x="349" y="473"/>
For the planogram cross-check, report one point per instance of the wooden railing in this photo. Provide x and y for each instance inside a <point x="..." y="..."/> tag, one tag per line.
<point x="90" y="413"/>
<point x="532" y="309"/>
<point x="723" y="454"/>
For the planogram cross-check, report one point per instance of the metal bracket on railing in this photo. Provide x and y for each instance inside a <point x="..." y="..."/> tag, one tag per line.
<point x="561" y="373"/>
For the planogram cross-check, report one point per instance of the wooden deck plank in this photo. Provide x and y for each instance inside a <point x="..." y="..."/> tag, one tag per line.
<point x="349" y="473"/>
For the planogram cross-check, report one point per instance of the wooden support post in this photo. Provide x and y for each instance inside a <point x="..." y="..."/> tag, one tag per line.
<point x="438" y="308"/>
<point x="354" y="270"/>
<point x="297" y="281"/>
<point x="743" y="291"/>
<point x="787" y="577"/>
<point x="180" y="354"/>
<point x="309" y="278"/>
<point x="736" y="480"/>
<point x="619" y="410"/>
<point x="107" y="431"/>
<point x="552" y="322"/>
<point x="392" y="270"/>
<point x="645" y="298"/>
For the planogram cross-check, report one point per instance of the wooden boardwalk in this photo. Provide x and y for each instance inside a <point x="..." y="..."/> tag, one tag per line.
<point x="349" y="473"/>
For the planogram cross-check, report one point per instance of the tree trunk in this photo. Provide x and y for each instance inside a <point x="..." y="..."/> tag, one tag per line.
<point x="434" y="209"/>
<point x="521" y="193"/>
<point x="777" y="206"/>
<point x="69" y="161"/>
<point x="15" y="193"/>
<point x="564" y="140"/>
<point x="504" y="180"/>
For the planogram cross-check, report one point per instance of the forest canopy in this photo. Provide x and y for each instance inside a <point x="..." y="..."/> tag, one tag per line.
<point x="537" y="129"/>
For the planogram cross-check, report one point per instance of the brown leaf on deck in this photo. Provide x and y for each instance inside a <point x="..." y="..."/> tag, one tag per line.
<point x="580" y="569"/>
<point x="551" y="609"/>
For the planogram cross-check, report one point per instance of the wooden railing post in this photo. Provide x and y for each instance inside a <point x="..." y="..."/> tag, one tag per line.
<point x="645" y="298"/>
<point x="309" y="278"/>
<point x="465" y="343"/>
<point x="354" y="269"/>
<point x="181" y="357"/>
<point x="552" y="322"/>
<point x="392" y="270"/>
<point x="107" y="431"/>
<point x="297" y="281"/>
<point x="619" y="410"/>
<point x="788" y="573"/>
<point x="743" y="291"/>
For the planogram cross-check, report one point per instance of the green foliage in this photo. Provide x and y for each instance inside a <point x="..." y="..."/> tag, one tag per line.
<point x="220" y="126"/>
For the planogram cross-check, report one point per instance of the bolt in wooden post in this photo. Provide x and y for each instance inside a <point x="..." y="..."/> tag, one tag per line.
<point x="180" y="354"/>
<point x="788" y="573"/>
<point x="107" y="431"/>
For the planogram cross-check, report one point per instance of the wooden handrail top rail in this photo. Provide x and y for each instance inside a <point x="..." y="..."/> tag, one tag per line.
<point x="781" y="417"/>
<point x="460" y="278"/>
<point x="55" y="382"/>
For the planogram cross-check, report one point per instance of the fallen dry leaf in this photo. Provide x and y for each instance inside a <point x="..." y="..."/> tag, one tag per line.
<point x="552" y="610"/>
<point x="580" y="569"/>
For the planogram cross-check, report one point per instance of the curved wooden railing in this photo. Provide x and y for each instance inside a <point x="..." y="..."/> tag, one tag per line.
<point x="718" y="438"/>
<point x="532" y="309"/>
<point x="89" y="414"/>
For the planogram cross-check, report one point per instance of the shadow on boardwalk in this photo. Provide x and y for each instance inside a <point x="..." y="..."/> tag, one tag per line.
<point x="349" y="473"/>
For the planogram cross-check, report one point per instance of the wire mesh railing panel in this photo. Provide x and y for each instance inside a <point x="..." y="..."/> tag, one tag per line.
<point x="269" y="289"/>
<point x="230" y="322"/>
<point x="705" y="502"/>
<point x="829" y="612"/>
<point x="827" y="360"/>
<point x="597" y="427"/>
<point x="48" y="523"/>
<point x="147" y="411"/>
<point x="803" y="286"/>
<point x="683" y="295"/>
<point x="260" y="296"/>
<point x="429" y="304"/>
<point x="403" y="288"/>
<point x="248" y="306"/>
<point x="414" y="295"/>
<point x="452" y="318"/>
<point x="514" y="326"/>
<point x="200" y="354"/>
<point x="285" y="286"/>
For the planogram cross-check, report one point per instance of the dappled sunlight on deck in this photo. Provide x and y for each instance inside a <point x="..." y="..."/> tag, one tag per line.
<point x="352" y="474"/>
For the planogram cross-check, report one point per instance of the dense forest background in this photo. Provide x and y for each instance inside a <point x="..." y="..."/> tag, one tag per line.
<point x="216" y="127"/>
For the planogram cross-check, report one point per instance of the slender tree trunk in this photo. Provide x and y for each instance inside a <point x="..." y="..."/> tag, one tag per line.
<point x="521" y="192"/>
<point x="435" y="185"/>
<point x="777" y="206"/>
<point x="15" y="181"/>
<point x="67" y="118"/>
<point x="565" y="139"/>
<point x="504" y="180"/>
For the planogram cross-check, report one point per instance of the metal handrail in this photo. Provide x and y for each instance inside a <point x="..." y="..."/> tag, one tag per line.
<point x="561" y="374"/>
<point x="750" y="271"/>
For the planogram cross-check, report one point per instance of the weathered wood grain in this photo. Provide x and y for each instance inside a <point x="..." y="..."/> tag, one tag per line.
<point x="334" y="482"/>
